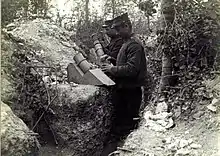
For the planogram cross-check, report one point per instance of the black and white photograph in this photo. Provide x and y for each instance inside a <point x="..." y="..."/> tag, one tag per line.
<point x="110" y="78"/>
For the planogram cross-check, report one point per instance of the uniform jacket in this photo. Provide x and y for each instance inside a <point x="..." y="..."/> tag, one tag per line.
<point x="113" y="48"/>
<point x="130" y="66"/>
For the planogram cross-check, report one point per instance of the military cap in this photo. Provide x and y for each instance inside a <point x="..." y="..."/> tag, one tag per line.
<point x="120" y="20"/>
<point x="108" y="23"/>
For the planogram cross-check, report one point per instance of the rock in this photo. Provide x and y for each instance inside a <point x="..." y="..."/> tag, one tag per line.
<point x="195" y="146"/>
<point x="182" y="152"/>
<point x="63" y="38"/>
<point x="162" y="123"/>
<point x="16" y="138"/>
<point x="212" y="108"/>
<point x="172" y="147"/>
<point x="149" y="154"/>
<point x="183" y="143"/>
<point x="159" y="122"/>
<point x="198" y="115"/>
<point x="161" y="116"/>
<point x="11" y="26"/>
<point x="16" y="38"/>
<point x="215" y="101"/>
<point x="187" y="132"/>
<point x="67" y="44"/>
<point x="147" y="115"/>
<point x="168" y="140"/>
<point x="159" y="148"/>
<point x="21" y="44"/>
<point x="161" y="107"/>
<point x="170" y="123"/>
<point x="190" y="141"/>
<point x="177" y="111"/>
<point x="46" y="79"/>
<point x="151" y="124"/>
<point x="214" y="84"/>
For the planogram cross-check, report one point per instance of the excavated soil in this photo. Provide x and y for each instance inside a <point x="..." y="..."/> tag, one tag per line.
<point x="194" y="135"/>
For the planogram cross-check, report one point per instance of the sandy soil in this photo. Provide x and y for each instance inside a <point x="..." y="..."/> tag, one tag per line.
<point x="203" y="131"/>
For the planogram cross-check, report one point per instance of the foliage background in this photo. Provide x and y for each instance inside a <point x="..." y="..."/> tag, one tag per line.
<point x="192" y="40"/>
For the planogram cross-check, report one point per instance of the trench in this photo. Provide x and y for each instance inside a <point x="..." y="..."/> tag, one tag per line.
<point x="50" y="146"/>
<point x="56" y="134"/>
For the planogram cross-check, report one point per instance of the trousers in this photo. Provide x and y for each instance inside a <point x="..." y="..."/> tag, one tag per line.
<point x="126" y="102"/>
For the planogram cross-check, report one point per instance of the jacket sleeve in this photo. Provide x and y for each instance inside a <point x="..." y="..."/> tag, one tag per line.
<point x="132" y="67"/>
<point x="106" y="49"/>
<point x="113" y="49"/>
<point x="116" y="48"/>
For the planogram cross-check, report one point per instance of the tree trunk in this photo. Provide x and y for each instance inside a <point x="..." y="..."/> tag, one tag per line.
<point x="167" y="11"/>
<point x="166" y="72"/>
<point x="113" y="8"/>
<point x="148" y="22"/>
<point x="87" y="12"/>
<point x="26" y="9"/>
<point x="46" y="8"/>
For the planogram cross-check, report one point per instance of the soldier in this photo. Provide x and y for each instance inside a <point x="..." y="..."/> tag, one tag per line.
<point x="112" y="49"/>
<point x="129" y="73"/>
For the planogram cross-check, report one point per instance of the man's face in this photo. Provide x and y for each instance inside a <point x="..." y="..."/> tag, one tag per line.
<point x="111" y="32"/>
<point x="123" y="30"/>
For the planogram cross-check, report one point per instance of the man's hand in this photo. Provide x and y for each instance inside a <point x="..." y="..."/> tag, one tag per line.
<point x="110" y="58"/>
<point x="103" y="57"/>
<point x="107" y="68"/>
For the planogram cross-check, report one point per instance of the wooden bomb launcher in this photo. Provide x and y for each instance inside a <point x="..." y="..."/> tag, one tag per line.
<point x="83" y="72"/>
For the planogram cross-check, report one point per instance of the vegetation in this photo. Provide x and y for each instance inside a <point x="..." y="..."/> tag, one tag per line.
<point x="190" y="38"/>
<point x="187" y="34"/>
<point x="17" y="9"/>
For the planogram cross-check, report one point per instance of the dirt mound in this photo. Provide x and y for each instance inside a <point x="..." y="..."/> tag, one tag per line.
<point x="16" y="138"/>
<point x="196" y="136"/>
<point x="75" y="116"/>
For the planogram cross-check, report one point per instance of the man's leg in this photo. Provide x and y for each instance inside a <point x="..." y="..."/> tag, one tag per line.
<point x="134" y="98"/>
<point x="114" y="138"/>
<point x="118" y="102"/>
<point x="126" y="104"/>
